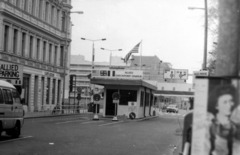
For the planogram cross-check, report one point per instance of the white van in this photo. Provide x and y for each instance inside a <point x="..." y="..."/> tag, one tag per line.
<point x="11" y="110"/>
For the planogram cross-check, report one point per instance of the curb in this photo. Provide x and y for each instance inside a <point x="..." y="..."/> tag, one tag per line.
<point x="29" y="117"/>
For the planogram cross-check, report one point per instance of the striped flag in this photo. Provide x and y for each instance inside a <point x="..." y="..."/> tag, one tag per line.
<point x="134" y="50"/>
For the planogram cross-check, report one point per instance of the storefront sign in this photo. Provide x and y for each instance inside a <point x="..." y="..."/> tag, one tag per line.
<point x="11" y="72"/>
<point x="49" y="74"/>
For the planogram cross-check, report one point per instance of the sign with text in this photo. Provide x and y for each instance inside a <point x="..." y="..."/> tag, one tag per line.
<point x="11" y="72"/>
<point x="180" y="74"/>
<point x="125" y="74"/>
<point x="199" y="74"/>
<point x="130" y="74"/>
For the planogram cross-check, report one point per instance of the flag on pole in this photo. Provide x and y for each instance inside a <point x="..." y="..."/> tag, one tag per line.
<point x="134" y="50"/>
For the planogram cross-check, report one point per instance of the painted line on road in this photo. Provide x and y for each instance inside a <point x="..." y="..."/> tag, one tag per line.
<point x="111" y="123"/>
<point x="70" y="121"/>
<point x="12" y="140"/>
<point x="92" y="122"/>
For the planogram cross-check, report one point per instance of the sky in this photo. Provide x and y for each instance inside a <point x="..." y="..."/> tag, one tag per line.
<point x="167" y="29"/>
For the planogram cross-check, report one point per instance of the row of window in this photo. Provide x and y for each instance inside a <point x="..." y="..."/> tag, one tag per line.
<point x="33" y="45"/>
<point x="43" y="10"/>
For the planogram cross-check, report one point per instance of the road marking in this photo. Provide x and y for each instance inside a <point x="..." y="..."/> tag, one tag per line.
<point x="12" y="140"/>
<point x="91" y="122"/>
<point x="111" y="123"/>
<point x="70" y="121"/>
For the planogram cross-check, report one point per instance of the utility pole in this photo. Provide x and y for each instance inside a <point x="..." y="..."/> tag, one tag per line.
<point x="227" y="63"/>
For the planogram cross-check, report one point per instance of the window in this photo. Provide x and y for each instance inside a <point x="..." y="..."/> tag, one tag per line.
<point x="31" y="47"/>
<point x="127" y="95"/>
<point x="147" y="99"/>
<point x="23" y="43"/>
<point x="47" y="10"/>
<point x="26" y="6"/>
<point x="58" y="17"/>
<point x="16" y="96"/>
<point x="18" y="3"/>
<point x="50" y="53"/>
<point x="33" y="7"/>
<point x="52" y="14"/>
<point x="142" y="99"/>
<point x="1" y="97"/>
<point x="37" y="49"/>
<point x="6" y="35"/>
<point x="7" y="96"/>
<point x="61" y="56"/>
<point x="15" y="35"/>
<point x="44" y="50"/>
<point x="63" y="21"/>
<point x="40" y="9"/>
<point x="55" y="55"/>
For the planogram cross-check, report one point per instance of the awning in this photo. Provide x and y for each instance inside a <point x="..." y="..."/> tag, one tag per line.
<point x="173" y="93"/>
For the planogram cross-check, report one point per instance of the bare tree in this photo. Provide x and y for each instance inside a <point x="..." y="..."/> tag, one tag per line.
<point x="213" y="21"/>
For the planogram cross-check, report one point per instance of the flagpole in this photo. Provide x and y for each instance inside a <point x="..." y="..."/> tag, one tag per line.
<point x="141" y="57"/>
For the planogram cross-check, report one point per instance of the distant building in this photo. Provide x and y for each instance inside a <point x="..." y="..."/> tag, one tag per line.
<point x="82" y="68"/>
<point x="153" y="68"/>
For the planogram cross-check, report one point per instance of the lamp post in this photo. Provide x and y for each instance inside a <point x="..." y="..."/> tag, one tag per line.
<point x="67" y="14"/>
<point x="93" y="57"/>
<point x="110" y="61"/>
<point x="204" y="65"/>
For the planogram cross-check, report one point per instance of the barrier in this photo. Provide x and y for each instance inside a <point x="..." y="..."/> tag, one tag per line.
<point x="60" y="109"/>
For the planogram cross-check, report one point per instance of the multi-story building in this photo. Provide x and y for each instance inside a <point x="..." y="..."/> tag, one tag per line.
<point x="35" y="34"/>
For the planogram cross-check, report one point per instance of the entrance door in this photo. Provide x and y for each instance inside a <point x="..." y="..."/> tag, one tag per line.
<point x="110" y="106"/>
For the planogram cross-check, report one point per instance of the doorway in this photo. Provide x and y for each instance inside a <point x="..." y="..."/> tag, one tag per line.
<point x="110" y="106"/>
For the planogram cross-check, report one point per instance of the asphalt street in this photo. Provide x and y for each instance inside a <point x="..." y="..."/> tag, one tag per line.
<point x="79" y="134"/>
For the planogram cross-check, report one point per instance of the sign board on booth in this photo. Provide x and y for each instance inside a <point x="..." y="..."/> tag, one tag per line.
<point x="122" y="74"/>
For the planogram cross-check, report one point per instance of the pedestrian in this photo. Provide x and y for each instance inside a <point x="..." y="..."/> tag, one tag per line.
<point x="222" y="130"/>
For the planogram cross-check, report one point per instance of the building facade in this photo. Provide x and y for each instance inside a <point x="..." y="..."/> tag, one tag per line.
<point x="34" y="34"/>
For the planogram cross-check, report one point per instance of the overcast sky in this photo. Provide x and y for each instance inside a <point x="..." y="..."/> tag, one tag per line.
<point x="167" y="29"/>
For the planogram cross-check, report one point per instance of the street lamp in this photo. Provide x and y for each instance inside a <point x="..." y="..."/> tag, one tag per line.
<point x="67" y="14"/>
<point x="110" y="61"/>
<point x="204" y="66"/>
<point x="92" y="86"/>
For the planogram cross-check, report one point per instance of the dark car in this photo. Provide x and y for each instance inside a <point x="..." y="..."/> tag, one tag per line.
<point x="172" y="108"/>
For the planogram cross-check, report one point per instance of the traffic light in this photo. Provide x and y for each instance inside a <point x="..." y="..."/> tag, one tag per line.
<point x="71" y="83"/>
<point x="79" y="96"/>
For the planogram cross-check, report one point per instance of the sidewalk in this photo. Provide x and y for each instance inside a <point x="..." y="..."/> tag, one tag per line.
<point x="50" y="114"/>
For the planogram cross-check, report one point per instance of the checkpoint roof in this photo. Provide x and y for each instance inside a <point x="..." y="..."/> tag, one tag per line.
<point x="129" y="82"/>
<point x="173" y="93"/>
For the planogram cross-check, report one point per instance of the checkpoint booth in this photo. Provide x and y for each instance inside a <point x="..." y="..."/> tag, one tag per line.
<point x="136" y="94"/>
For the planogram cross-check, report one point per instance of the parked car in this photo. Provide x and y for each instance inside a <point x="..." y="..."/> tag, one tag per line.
<point x="172" y="108"/>
<point x="11" y="110"/>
